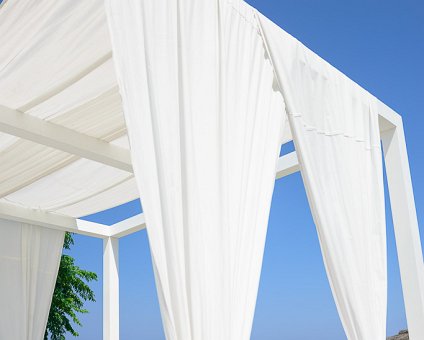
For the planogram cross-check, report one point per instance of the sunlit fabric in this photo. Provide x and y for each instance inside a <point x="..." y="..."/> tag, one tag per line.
<point x="29" y="262"/>
<point x="205" y="119"/>
<point x="336" y="134"/>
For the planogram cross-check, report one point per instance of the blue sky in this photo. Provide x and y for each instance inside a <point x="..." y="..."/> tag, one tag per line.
<point x="378" y="44"/>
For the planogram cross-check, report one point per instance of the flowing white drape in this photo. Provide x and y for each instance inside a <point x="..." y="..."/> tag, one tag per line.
<point x="204" y="123"/>
<point x="335" y="129"/>
<point x="29" y="262"/>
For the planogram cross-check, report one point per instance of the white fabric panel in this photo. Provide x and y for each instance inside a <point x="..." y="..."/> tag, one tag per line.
<point x="38" y="177"/>
<point x="29" y="262"/>
<point x="287" y="134"/>
<point x="100" y="117"/>
<point x="95" y="84"/>
<point x="104" y="199"/>
<point x="25" y="162"/>
<point x="77" y="187"/>
<point x="121" y="142"/>
<point x="336" y="134"/>
<point x="46" y="45"/>
<point x="69" y="185"/>
<point x="6" y="141"/>
<point x="205" y="126"/>
<point x="116" y="195"/>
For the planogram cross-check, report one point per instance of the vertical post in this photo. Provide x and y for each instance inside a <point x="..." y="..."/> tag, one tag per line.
<point x="406" y="228"/>
<point x="110" y="289"/>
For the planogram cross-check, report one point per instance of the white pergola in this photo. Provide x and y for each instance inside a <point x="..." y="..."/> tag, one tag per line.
<point x="22" y="118"/>
<point x="405" y="222"/>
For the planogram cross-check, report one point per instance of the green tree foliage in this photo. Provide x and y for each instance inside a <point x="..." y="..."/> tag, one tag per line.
<point x="70" y="293"/>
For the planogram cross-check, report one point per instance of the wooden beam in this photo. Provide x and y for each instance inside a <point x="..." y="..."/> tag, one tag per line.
<point x="61" y="138"/>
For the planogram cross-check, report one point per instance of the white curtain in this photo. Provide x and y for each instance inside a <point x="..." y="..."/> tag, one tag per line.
<point x="335" y="129"/>
<point x="204" y="122"/>
<point x="29" y="262"/>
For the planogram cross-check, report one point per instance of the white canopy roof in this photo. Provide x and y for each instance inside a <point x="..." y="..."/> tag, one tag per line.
<point x="56" y="66"/>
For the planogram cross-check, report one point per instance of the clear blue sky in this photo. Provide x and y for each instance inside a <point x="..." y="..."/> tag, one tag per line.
<point x="379" y="44"/>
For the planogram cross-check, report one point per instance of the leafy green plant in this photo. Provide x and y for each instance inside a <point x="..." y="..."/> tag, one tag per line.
<point x="70" y="293"/>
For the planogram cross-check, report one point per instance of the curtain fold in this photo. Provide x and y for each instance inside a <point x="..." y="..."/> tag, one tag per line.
<point x="204" y="119"/>
<point x="29" y="262"/>
<point x="336" y="134"/>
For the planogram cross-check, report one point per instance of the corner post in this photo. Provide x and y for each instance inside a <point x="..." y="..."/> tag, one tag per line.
<point x="406" y="229"/>
<point x="111" y="288"/>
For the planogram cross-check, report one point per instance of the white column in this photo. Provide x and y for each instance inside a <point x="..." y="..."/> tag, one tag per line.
<point x="406" y="228"/>
<point x="111" y="289"/>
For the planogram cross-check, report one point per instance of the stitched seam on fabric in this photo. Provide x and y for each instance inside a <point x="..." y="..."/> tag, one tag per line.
<point x="332" y="134"/>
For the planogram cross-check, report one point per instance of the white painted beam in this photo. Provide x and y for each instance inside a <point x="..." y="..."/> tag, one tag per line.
<point x="128" y="226"/>
<point x="287" y="165"/>
<point x="58" y="137"/>
<point x="388" y="118"/>
<point x="93" y="229"/>
<point x="52" y="220"/>
<point x="111" y="289"/>
<point x="405" y="224"/>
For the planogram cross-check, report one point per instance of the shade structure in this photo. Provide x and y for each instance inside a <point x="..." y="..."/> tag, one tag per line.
<point x="56" y="66"/>
<point x="57" y="75"/>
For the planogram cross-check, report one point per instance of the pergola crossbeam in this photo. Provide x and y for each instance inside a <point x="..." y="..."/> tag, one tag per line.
<point x="43" y="132"/>
<point x="52" y="220"/>
<point x="128" y="226"/>
<point x="287" y="165"/>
